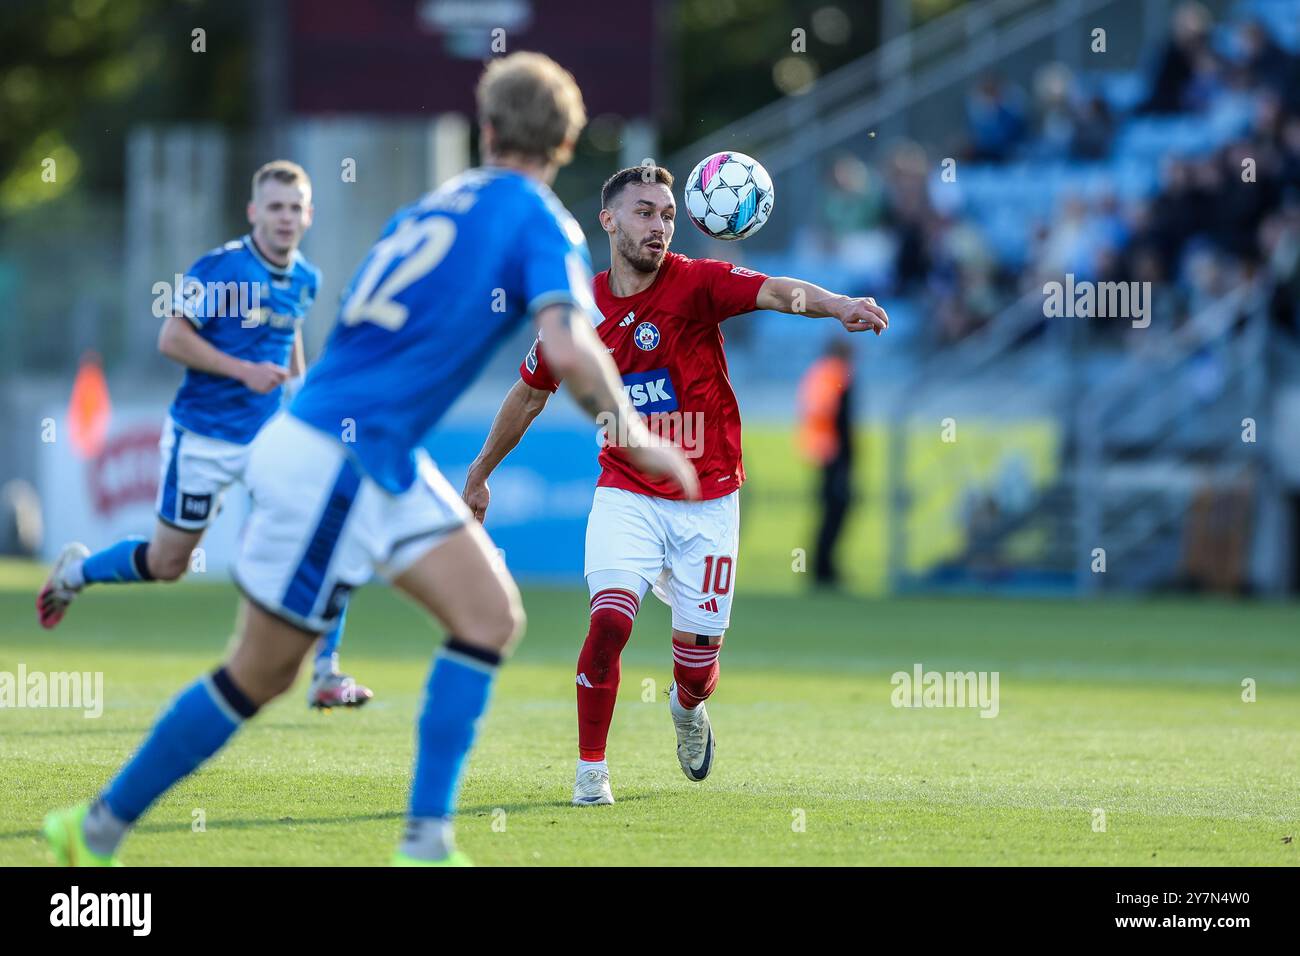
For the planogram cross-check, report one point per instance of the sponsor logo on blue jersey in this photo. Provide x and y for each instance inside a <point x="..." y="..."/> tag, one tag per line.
<point x="650" y="392"/>
<point x="647" y="336"/>
<point x="248" y="308"/>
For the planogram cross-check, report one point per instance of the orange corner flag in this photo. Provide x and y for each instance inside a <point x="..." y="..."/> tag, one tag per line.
<point x="89" y="409"/>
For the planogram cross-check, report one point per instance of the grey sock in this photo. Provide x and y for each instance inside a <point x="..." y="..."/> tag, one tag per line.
<point x="428" y="838"/>
<point x="102" y="830"/>
<point x="326" y="665"/>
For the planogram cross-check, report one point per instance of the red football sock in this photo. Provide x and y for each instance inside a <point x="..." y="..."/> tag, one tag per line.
<point x="695" y="669"/>
<point x="612" y="612"/>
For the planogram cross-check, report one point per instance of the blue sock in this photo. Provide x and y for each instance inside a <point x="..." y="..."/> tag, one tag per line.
<point x="199" y="722"/>
<point x="120" y="563"/>
<point x="455" y="698"/>
<point x="327" y="648"/>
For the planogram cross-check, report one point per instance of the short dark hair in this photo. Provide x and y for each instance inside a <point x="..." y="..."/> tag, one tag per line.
<point x="644" y="173"/>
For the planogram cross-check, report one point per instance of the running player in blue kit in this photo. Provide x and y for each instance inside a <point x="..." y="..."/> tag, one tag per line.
<point x="236" y="327"/>
<point x="341" y="486"/>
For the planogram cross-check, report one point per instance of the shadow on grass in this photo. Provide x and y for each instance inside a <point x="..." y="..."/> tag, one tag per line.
<point x="236" y="824"/>
<point x="485" y="809"/>
<point x="78" y="731"/>
<point x="233" y="824"/>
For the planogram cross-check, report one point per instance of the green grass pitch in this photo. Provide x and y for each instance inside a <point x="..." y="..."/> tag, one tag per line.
<point x="1130" y="708"/>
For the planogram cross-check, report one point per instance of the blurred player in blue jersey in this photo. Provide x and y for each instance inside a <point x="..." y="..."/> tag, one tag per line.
<point x="236" y="328"/>
<point x="341" y="486"/>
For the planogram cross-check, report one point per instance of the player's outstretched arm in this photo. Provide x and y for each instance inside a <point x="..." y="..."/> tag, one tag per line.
<point x="797" y="297"/>
<point x="180" y="342"/>
<point x="522" y="404"/>
<point x="576" y="355"/>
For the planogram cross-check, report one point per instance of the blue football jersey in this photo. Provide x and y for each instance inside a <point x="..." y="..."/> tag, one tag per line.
<point x="247" y="307"/>
<point x="450" y="277"/>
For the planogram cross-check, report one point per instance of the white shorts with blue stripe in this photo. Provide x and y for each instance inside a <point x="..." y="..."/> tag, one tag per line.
<point x="319" y="527"/>
<point x="196" y="471"/>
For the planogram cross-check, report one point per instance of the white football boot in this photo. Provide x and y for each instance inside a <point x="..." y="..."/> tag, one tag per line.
<point x="330" y="689"/>
<point x="57" y="593"/>
<point x="694" y="737"/>
<point x="591" y="787"/>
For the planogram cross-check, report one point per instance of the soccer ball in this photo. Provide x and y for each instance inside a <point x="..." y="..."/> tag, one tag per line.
<point x="729" y="196"/>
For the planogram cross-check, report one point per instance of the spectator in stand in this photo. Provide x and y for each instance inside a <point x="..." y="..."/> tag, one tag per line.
<point x="908" y="213"/>
<point x="1279" y="238"/>
<point x="1289" y="149"/>
<point x="1177" y="62"/>
<point x="1204" y="227"/>
<point x="1174" y="213"/>
<point x="1110" y="224"/>
<point x="1055" y="125"/>
<point x="995" y="118"/>
<point x="853" y="200"/>
<point x="1168" y="302"/>
<point x="1094" y="129"/>
<point x="1068" y="247"/>
<point x="1205" y="198"/>
<point x="1269" y="64"/>
<point x="1268" y="120"/>
<point x="962" y="292"/>
<point x="1208" y="81"/>
<point x="1242" y="204"/>
<point x="1207" y="273"/>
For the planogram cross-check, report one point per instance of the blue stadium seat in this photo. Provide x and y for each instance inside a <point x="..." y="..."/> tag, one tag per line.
<point x="1122" y="91"/>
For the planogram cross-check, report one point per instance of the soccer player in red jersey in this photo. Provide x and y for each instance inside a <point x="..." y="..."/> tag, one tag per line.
<point x="660" y="319"/>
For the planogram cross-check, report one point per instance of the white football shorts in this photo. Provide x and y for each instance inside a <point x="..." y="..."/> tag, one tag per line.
<point x="318" y="527"/>
<point x="685" y="550"/>
<point x="196" y="471"/>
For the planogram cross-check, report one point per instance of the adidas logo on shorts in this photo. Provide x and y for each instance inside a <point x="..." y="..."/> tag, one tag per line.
<point x="711" y="605"/>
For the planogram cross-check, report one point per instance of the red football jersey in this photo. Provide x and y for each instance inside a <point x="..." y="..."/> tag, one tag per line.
<point x="667" y="344"/>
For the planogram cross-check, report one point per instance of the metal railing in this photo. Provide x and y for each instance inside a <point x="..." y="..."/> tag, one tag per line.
<point x="1017" y="366"/>
<point x="1125" y="421"/>
<point x="1126" y="461"/>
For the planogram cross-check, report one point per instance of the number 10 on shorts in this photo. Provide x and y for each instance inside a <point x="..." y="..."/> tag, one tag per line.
<point x="717" y="574"/>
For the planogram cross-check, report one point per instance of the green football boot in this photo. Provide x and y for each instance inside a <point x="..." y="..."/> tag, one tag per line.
<point x="63" y="832"/>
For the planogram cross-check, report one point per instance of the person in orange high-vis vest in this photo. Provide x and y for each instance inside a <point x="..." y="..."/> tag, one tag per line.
<point x="826" y="439"/>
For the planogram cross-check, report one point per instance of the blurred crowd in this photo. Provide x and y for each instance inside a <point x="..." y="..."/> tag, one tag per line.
<point x="1216" y="215"/>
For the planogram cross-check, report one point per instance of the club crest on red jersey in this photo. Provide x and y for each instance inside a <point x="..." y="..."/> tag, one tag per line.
<point x="646" y="336"/>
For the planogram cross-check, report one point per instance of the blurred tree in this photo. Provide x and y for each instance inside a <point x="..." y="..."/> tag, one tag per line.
<point x="77" y="73"/>
<point x="726" y="58"/>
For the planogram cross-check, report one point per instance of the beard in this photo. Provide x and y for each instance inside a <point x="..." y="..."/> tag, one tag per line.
<point x="639" y="257"/>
